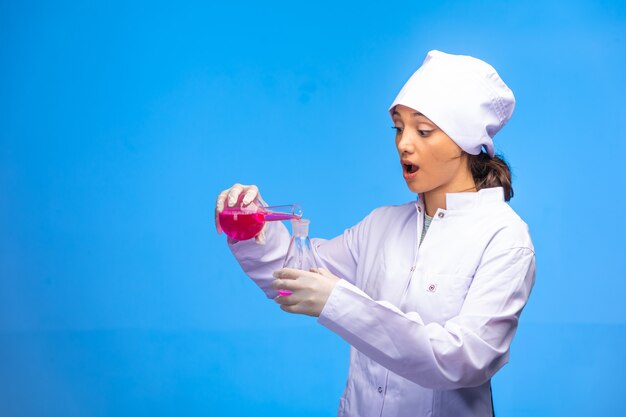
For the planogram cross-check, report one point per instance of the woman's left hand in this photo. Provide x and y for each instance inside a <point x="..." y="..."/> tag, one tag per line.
<point x="310" y="290"/>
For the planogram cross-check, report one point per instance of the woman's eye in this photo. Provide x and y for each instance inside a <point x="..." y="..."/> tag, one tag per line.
<point x="421" y="132"/>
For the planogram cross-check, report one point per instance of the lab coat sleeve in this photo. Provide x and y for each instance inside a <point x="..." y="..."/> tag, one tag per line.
<point x="465" y="351"/>
<point x="339" y="255"/>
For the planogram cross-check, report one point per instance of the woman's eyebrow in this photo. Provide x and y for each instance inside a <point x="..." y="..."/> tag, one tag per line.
<point x="414" y="114"/>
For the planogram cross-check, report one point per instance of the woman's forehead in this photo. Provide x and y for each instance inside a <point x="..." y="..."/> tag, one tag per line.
<point x="402" y="110"/>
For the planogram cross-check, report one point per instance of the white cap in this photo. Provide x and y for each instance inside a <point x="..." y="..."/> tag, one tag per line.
<point x="464" y="96"/>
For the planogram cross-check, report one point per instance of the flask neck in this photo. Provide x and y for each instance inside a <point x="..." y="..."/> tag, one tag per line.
<point x="300" y="227"/>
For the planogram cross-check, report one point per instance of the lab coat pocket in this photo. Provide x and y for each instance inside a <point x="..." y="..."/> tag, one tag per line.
<point x="445" y="294"/>
<point x="458" y="291"/>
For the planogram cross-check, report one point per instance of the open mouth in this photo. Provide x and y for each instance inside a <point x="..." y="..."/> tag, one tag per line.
<point x="410" y="168"/>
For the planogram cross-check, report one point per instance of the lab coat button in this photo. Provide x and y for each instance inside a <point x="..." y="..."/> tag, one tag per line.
<point x="380" y="389"/>
<point x="440" y="214"/>
<point x="419" y="209"/>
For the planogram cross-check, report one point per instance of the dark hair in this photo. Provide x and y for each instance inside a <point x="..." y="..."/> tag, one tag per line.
<point x="491" y="172"/>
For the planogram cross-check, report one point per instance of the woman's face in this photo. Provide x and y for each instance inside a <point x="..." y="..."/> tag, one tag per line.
<point x="429" y="158"/>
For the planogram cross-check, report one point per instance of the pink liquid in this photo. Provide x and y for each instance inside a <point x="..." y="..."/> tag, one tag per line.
<point x="284" y="292"/>
<point x="243" y="225"/>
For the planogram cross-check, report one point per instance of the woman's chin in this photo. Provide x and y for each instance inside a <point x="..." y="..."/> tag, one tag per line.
<point x="414" y="187"/>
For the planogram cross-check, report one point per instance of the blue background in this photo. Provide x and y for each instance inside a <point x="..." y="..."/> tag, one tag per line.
<point x="120" y="122"/>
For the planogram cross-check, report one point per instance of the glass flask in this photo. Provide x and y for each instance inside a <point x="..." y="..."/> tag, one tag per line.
<point x="243" y="223"/>
<point x="300" y="255"/>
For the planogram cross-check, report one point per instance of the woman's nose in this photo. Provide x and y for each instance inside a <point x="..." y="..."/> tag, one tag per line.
<point x="405" y="144"/>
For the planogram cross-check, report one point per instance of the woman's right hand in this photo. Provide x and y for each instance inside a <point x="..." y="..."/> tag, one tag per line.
<point x="241" y="196"/>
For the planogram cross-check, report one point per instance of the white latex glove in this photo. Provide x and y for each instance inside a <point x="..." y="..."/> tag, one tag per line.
<point x="310" y="290"/>
<point x="241" y="196"/>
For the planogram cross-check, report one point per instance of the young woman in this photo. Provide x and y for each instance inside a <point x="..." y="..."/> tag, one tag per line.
<point x="428" y="293"/>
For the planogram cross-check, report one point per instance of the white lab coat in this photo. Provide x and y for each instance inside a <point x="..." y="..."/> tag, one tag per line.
<point x="430" y="325"/>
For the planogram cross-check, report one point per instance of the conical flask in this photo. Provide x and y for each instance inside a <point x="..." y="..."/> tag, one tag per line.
<point x="300" y="255"/>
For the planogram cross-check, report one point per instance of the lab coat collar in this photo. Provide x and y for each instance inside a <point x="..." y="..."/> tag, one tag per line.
<point x="468" y="200"/>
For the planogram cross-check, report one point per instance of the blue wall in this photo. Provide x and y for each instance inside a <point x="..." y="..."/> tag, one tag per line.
<point x="120" y="122"/>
